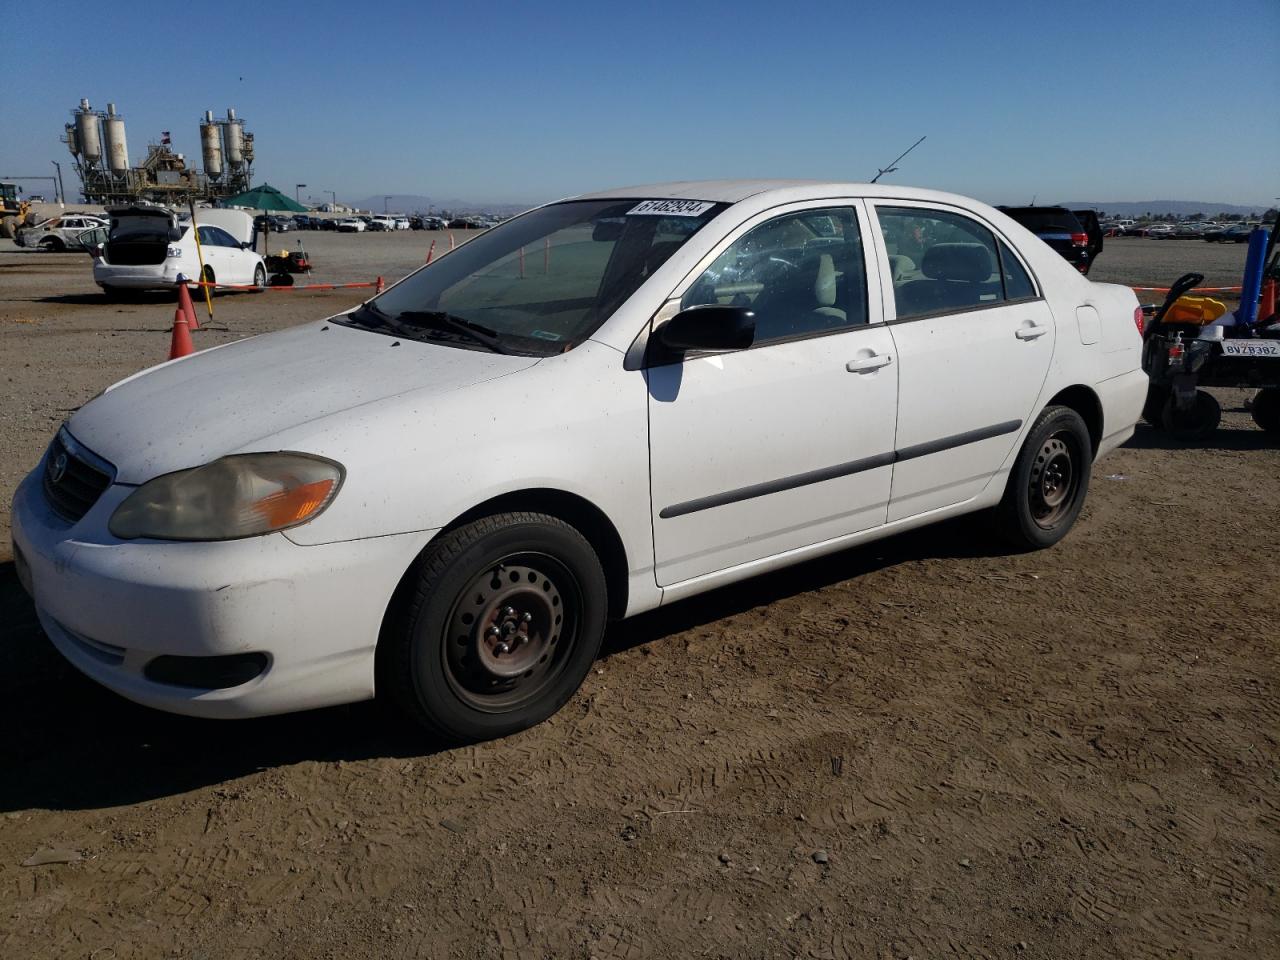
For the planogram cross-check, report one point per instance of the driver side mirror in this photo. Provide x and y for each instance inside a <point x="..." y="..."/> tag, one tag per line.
<point x="712" y="326"/>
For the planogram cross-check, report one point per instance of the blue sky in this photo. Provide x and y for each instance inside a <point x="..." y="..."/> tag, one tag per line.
<point x="526" y="102"/>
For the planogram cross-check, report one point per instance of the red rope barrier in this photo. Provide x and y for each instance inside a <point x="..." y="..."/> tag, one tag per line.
<point x="301" y="286"/>
<point x="1193" y="289"/>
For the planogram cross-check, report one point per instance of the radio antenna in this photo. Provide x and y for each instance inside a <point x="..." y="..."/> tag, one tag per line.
<point x="893" y="163"/>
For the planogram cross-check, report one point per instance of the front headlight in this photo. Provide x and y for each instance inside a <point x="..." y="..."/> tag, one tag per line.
<point x="173" y="251"/>
<point x="242" y="495"/>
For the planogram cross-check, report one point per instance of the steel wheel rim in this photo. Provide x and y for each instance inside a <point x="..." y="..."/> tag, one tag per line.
<point x="1055" y="478"/>
<point x="511" y="631"/>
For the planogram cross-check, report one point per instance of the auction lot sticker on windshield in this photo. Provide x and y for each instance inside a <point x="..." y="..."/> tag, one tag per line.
<point x="1251" y="348"/>
<point x="671" y="208"/>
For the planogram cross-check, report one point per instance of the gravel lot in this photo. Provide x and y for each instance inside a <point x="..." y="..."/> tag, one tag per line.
<point x="924" y="747"/>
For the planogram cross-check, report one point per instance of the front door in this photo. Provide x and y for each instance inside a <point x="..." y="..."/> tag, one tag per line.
<point x="974" y="340"/>
<point x="788" y="443"/>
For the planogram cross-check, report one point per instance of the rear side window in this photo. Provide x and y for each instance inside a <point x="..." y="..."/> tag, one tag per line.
<point x="1017" y="285"/>
<point x="940" y="262"/>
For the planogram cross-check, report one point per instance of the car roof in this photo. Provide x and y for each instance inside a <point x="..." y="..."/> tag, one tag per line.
<point x="734" y="191"/>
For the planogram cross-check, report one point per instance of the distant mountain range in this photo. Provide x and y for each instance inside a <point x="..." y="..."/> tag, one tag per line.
<point x="1180" y="208"/>
<point x="416" y="202"/>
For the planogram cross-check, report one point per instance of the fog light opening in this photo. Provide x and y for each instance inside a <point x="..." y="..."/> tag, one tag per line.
<point x="207" y="673"/>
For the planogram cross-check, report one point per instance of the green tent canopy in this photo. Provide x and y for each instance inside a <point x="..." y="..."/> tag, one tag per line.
<point x="265" y="197"/>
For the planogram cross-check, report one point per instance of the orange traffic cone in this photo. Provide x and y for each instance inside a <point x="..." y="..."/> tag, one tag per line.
<point x="180" y="344"/>
<point x="184" y="302"/>
<point x="379" y="286"/>
<point x="431" y="249"/>
<point x="450" y="240"/>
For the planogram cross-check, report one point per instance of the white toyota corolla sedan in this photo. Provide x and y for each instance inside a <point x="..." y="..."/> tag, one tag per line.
<point x="601" y="406"/>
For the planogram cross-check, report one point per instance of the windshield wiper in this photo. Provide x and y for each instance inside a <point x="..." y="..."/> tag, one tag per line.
<point x="468" y="328"/>
<point x="368" y="315"/>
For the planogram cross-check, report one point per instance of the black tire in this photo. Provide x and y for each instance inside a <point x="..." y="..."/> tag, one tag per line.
<point x="1195" y="423"/>
<point x="207" y="276"/>
<point x="1049" y="481"/>
<point x="1153" y="409"/>
<point x="500" y="621"/>
<point x="1266" y="409"/>
<point x="53" y="245"/>
<point x="260" y="277"/>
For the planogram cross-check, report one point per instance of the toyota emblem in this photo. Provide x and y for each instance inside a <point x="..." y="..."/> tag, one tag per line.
<point x="59" y="468"/>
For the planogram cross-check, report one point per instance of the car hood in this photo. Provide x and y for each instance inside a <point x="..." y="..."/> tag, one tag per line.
<point x="234" y="398"/>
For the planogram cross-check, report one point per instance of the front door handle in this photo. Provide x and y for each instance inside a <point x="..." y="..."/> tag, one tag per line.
<point x="867" y="364"/>
<point x="1030" y="331"/>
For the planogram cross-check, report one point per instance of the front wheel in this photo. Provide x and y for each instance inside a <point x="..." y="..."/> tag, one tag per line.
<point x="260" y="277"/>
<point x="1048" y="482"/>
<point x="501" y="622"/>
<point x="1153" y="408"/>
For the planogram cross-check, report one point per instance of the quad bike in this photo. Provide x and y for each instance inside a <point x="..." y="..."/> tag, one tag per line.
<point x="1184" y="349"/>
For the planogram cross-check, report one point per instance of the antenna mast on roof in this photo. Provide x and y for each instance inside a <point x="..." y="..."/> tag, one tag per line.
<point x="893" y="163"/>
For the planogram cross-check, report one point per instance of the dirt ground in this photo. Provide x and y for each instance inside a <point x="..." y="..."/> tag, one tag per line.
<point x="922" y="748"/>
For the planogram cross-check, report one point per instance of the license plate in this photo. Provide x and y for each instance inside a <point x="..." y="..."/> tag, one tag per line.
<point x="23" y="571"/>
<point x="1251" y="348"/>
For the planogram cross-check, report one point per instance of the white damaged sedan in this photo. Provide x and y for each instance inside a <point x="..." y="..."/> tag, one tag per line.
<point x="603" y="405"/>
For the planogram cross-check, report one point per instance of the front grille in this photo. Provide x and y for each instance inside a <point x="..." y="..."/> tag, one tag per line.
<point x="71" y="483"/>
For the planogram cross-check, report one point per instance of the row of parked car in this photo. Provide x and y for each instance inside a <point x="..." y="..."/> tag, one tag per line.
<point x="1208" y="230"/>
<point x="361" y="223"/>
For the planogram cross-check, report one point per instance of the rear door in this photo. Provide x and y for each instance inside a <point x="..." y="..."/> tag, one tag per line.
<point x="974" y="339"/>
<point x="786" y="444"/>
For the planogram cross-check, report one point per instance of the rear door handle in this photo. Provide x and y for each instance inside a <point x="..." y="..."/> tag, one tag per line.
<point x="867" y="364"/>
<point x="1031" y="331"/>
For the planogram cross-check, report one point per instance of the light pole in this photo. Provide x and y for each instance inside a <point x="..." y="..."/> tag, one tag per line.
<point x="385" y="201"/>
<point x="62" y="194"/>
<point x="297" y="190"/>
<point x="333" y="207"/>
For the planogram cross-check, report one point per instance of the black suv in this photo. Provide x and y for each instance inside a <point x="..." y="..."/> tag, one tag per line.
<point x="1076" y="234"/>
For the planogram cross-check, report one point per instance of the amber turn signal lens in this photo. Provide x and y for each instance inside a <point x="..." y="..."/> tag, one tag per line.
<point x="289" y="507"/>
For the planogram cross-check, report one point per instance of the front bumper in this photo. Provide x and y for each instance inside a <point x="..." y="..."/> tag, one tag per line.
<point x="112" y="607"/>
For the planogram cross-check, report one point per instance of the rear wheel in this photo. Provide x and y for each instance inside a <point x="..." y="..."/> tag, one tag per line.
<point x="502" y="622"/>
<point x="1048" y="482"/>
<point x="1196" y="422"/>
<point x="1266" y="409"/>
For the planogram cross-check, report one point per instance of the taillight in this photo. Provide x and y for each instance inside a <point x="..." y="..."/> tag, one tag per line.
<point x="1080" y="239"/>
<point x="1139" y="320"/>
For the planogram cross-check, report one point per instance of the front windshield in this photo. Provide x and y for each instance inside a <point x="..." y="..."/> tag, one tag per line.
<point x="540" y="283"/>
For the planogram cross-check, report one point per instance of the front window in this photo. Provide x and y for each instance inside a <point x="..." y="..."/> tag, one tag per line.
<point x="802" y="274"/>
<point x="541" y="283"/>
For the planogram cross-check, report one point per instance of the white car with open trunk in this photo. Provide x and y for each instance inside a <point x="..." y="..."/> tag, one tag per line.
<point x="598" y="407"/>
<point x="149" y="247"/>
